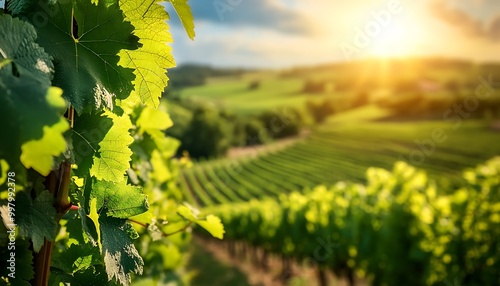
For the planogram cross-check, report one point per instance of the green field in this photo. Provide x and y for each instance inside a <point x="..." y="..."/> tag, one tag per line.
<point x="234" y="95"/>
<point x="340" y="82"/>
<point x="342" y="150"/>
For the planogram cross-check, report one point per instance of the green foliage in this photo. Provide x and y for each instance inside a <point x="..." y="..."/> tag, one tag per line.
<point x="255" y="133"/>
<point x="211" y="223"/>
<point x="22" y="56"/>
<point x="87" y="61"/>
<point x="282" y="123"/>
<point x="225" y="129"/>
<point x="37" y="218"/>
<point x="320" y="111"/>
<point x="23" y="263"/>
<point x="184" y="11"/>
<point x="154" y="56"/>
<point x="77" y="258"/>
<point x="112" y="156"/>
<point x="34" y="143"/>
<point x="398" y="223"/>
<point x="312" y="86"/>
<point x="207" y="135"/>
<point x="117" y="200"/>
<point x="342" y="150"/>
<point x="151" y="120"/>
<point x="107" y="59"/>
<point x="25" y="87"/>
<point x="121" y="258"/>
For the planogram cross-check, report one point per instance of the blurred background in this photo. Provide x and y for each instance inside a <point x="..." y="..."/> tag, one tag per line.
<point x="274" y="98"/>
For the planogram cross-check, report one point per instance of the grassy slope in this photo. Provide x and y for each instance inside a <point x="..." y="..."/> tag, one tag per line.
<point x="278" y="89"/>
<point x="273" y="92"/>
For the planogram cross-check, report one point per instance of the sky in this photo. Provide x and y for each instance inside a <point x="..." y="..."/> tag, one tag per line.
<point x="288" y="33"/>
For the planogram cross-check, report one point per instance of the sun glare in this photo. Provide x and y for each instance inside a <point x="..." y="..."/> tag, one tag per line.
<point x="396" y="32"/>
<point x="393" y="40"/>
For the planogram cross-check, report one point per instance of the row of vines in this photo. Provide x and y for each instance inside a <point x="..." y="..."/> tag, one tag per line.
<point x="398" y="229"/>
<point x="324" y="158"/>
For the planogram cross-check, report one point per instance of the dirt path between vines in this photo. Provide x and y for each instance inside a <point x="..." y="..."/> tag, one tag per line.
<point x="252" y="151"/>
<point x="302" y="275"/>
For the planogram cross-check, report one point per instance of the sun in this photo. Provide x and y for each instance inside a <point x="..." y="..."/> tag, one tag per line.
<point x="391" y="41"/>
<point x="403" y="36"/>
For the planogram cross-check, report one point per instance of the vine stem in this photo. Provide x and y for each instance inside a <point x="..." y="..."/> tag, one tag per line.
<point x="74" y="208"/>
<point x="57" y="183"/>
<point x="145" y="225"/>
<point x="162" y="233"/>
<point x="177" y="231"/>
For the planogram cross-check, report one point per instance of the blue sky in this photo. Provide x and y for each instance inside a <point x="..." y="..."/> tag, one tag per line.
<point x="286" y="33"/>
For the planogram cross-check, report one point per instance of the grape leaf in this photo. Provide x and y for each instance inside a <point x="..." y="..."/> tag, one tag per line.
<point x="94" y="275"/>
<point x="39" y="153"/>
<point x="114" y="234"/>
<point x="76" y="258"/>
<point x="113" y="158"/>
<point x="88" y="227"/>
<point x="184" y="12"/>
<point x="153" y="119"/>
<point x="84" y="39"/>
<point x="75" y="228"/>
<point x="33" y="124"/>
<point x="18" y="6"/>
<point x="118" y="199"/>
<point x="120" y="255"/>
<point x="80" y="264"/>
<point x="23" y="263"/>
<point x="88" y="131"/>
<point x="29" y="109"/>
<point x="160" y="170"/>
<point x="37" y="218"/>
<point x="20" y="54"/>
<point x="166" y="145"/>
<point x="94" y="216"/>
<point x="152" y="59"/>
<point x="211" y="223"/>
<point x="160" y="148"/>
<point x="97" y="276"/>
<point x="163" y="256"/>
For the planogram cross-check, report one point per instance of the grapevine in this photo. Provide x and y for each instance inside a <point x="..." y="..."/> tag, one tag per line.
<point x="83" y="136"/>
<point x="396" y="224"/>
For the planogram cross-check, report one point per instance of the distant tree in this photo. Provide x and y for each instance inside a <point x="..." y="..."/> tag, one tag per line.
<point x="256" y="132"/>
<point x="208" y="135"/>
<point x="320" y="111"/>
<point x="283" y="123"/>
<point x="253" y="85"/>
<point x="362" y="98"/>
<point x="408" y="104"/>
<point x="313" y="86"/>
